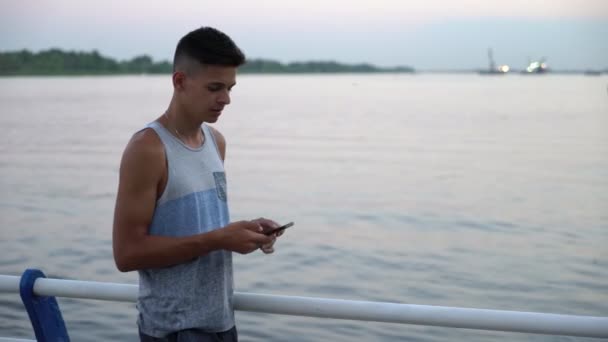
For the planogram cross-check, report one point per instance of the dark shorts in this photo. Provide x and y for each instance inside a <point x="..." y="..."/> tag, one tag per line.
<point x="193" y="335"/>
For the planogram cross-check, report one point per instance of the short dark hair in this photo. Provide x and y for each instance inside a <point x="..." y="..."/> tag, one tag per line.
<point x="208" y="45"/>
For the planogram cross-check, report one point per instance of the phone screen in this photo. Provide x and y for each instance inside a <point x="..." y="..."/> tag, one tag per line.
<point x="281" y="228"/>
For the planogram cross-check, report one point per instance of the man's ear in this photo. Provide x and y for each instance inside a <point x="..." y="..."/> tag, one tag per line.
<point x="179" y="80"/>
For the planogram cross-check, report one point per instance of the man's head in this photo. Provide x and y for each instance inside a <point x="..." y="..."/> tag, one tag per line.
<point x="206" y="46"/>
<point x="204" y="71"/>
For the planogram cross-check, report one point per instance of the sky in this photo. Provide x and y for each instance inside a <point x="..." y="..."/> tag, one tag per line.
<point x="425" y="34"/>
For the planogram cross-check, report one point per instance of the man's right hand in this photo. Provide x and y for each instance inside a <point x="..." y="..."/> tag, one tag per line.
<point x="244" y="237"/>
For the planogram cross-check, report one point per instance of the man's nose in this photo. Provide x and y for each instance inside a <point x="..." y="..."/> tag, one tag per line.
<point x="224" y="98"/>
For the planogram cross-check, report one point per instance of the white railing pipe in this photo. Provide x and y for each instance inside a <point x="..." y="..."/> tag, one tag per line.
<point x="468" y="318"/>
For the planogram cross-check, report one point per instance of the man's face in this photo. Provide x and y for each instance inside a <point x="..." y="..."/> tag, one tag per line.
<point x="205" y="91"/>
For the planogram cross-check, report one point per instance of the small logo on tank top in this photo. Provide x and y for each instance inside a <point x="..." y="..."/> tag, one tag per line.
<point x="220" y="185"/>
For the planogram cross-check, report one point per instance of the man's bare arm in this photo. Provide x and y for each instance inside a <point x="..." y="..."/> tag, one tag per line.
<point x="141" y="169"/>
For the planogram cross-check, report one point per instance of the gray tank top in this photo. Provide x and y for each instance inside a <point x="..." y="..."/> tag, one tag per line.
<point x="195" y="294"/>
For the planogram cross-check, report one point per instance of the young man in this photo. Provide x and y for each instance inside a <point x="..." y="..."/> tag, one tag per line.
<point x="171" y="221"/>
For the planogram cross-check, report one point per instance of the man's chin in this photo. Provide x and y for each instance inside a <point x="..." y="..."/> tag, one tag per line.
<point x="212" y="118"/>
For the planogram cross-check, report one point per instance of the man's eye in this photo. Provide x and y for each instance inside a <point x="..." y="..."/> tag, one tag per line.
<point x="214" y="88"/>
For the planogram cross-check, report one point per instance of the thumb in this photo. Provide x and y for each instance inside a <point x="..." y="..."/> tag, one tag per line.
<point x="254" y="227"/>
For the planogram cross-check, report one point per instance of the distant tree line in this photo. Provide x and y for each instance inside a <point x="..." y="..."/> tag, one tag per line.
<point x="58" y="62"/>
<point x="270" y="66"/>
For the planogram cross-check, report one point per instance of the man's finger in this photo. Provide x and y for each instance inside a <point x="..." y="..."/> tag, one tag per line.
<point x="268" y="245"/>
<point x="263" y="240"/>
<point x="268" y="250"/>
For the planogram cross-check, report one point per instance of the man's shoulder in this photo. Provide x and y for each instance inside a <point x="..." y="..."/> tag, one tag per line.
<point x="216" y="134"/>
<point x="220" y="141"/>
<point x="146" y="147"/>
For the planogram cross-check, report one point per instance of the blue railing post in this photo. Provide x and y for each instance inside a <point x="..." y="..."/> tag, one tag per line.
<point x="43" y="311"/>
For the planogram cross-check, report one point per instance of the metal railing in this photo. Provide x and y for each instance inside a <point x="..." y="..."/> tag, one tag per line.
<point x="468" y="318"/>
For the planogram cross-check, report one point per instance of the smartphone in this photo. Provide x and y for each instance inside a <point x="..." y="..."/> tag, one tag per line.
<point x="280" y="229"/>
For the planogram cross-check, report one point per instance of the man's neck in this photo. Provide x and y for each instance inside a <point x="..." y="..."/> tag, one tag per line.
<point x="178" y="123"/>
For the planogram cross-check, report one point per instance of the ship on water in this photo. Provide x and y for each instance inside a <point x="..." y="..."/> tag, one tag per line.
<point x="536" y="67"/>
<point x="492" y="68"/>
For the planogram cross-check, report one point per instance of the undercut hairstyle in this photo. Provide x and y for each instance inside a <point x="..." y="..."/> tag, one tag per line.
<point x="207" y="46"/>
